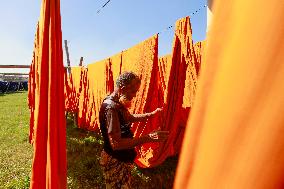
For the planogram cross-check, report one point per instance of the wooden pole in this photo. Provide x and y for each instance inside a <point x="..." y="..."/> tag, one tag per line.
<point x="81" y="61"/>
<point x="67" y="57"/>
<point x="14" y="66"/>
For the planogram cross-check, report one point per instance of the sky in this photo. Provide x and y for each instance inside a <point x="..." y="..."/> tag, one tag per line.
<point x="120" y="25"/>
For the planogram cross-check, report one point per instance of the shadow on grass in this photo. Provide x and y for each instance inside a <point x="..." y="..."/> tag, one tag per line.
<point x="160" y="177"/>
<point x="83" y="155"/>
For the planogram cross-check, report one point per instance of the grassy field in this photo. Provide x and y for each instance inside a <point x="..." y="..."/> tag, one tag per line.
<point x="15" y="150"/>
<point x="83" y="153"/>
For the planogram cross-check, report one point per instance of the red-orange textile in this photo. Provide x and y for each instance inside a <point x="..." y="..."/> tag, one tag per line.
<point x="97" y="81"/>
<point x="113" y="71"/>
<point x="234" y="137"/>
<point x="165" y="64"/>
<point x="49" y="159"/>
<point x="164" y="82"/>
<point x="97" y="91"/>
<point x="32" y="86"/>
<point x="143" y="60"/>
<point x="73" y="89"/>
<point x="181" y="69"/>
<point x="83" y="100"/>
<point x="189" y="55"/>
<point x="199" y="49"/>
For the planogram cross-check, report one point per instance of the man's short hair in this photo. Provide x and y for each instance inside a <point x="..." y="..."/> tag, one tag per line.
<point x="126" y="78"/>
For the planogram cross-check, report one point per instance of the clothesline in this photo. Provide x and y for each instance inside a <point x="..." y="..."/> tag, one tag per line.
<point x="191" y="14"/>
<point x="169" y="27"/>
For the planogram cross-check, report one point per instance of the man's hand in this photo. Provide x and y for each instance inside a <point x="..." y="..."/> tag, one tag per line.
<point x="157" y="111"/>
<point x="158" y="136"/>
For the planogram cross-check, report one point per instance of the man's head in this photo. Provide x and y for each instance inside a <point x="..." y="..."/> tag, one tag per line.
<point x="128" y="84"/>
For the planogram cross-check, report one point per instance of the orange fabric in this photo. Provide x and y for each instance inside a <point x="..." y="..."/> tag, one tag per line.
<point x="97" y="91"/>
<point x="180" y="69"/>
<point x="184" y="33"/>
<point x="163" y="83"/>
<point x="165" y="64"/>
<point x="32" y="86"/>
<point x="142" y="59"/>
<point x="199" y="49"/>
<point x="97" y="81"/>
<point x="234" y="137"/>
<point x="113" y="71"/>
<point x="73" y="89"/>
<point x="49" y="159"/>
<point x="83" y="100"/>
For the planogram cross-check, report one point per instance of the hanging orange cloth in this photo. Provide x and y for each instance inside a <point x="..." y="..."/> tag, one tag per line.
<point x="97" y="91"/>
<point x="31" y="98"/>
<point x="32" y="85"/>
<point x="83" y="99"/>
<point x="184" y="33"/>
<point x="165" y="64"/>
<point x="142" y="59"/>
<point x="181" y="69"/>
<point x="199" y="49"/>
<point x="234" y="137"/>
<point x="73" y="89"/>
<point x="113" y="70"/>
<point x="49" y="159"/>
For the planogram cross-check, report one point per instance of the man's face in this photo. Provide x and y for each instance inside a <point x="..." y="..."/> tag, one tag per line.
<point x="130" y="90"/>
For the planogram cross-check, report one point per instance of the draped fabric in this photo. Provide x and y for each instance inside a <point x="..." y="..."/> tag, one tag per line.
<point x="97" y="80"/>
<point x="234" y="136"/>
<point x="97" y="91"/>
<point x="114" y="70"/>
<point x="73" y="89"/>
<point x="199" y="49"/>
<point x="49" y="141"/>
<point x="184" y="33"/>
<point x="164" y="83"/>
<point x="32" y="85"/>
<point x="142" y="59"/>
<point x="83" y="100"/>
<point x="165" y="63"/>
<point x="179" y="71"/>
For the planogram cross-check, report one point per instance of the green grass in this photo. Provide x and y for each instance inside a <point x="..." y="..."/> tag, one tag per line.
<point x="15" y="150"/>
<point x="83" y="153"/>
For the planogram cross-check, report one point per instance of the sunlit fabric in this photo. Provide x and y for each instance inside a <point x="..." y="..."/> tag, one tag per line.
<point x="164" y="83"/>
<point x="32" y="85"/>
<point x="165" y="64"/>
<point x="178" y="71"/>
<point x="97" y="91"/>
<point x="83" y="99"/>
<point x="73" y="89"/>
<point x="49" y="141"/>
<point x="234" y="136"/>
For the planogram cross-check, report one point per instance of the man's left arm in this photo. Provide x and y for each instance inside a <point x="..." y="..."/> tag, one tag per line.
<point x="143" y="117"/>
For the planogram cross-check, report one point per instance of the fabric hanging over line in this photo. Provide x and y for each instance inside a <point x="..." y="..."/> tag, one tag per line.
<point x="97" y="91"/>
<point x="83" y="100"/>
<point x="94" y="89"/>
<point x="199" y="51"/>
<point x="164" y="73"/>
<point x="160" y="81"/>
<point x="184" y="32"/>
<point x="234" y="137"/>
<point x="73" y="89"/>
<point x="145" y="56"/>
<point x="113" y="71"/>
<point x="32" y="84"/>
<point x="175" y="115"/>
<point x="49" y="160"/>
